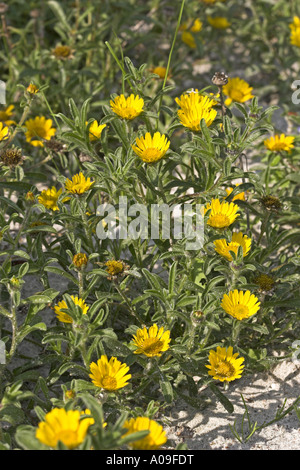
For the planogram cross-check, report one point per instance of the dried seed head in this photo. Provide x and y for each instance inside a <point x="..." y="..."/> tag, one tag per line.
<point x="55" y="145"/>
<point x="265" y="282"/>
<point x="3" y="8"/>
<point x="11" y="157"/>
<point x="271" y="203"/>
<point x="220" y="79"/>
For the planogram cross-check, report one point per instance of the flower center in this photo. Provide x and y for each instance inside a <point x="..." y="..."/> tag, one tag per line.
<point x="241" y="311"/>
<point x="128" y="113"/>
<point x="232" y="247"/>
<point x="39" y="131"/>
<point x="152" y="346"/>
<point x="237" y="95"/>
<point x="151" y="154"/>
<point x="219" y="221"/>
<point x="225" y="369"/>
<point x="109" y="383"/>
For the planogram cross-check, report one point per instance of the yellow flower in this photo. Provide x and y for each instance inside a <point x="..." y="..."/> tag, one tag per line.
<point x="6" y="114"/>
<point x="188" y="39"/>
<point x="195" y="107"/>
<point x="79" y="184"/>
<point x="224" y="365"/>
<point x="238" y="239"/>
<point x="196" y="26"/>
<point x="3" y="132"/>
<point x="280" y="143"/>
<point x="127" y="108"/>
<point x="240" y="304"/>
<point x="109" y="375"/>
<point x="222" y="214"/>
<point x="49" y="198"/>
<point x="63" y="426"/>
<point x="95" y="130"/>
<point x="63" y="316"/>
<point x="151" y="342"/>
<point x="237" y="90"/>
<point x="32" y="89"/>
<point x="295" y="32"/>
<point x="160" y="71"/>
<point x="114" y="267"/>
<point x="153" y="441"/>
<point x="151" y="149"/>
<point x="80" y="260"/>
<point x="218" y="22"/>
<point x="39" y="129"/>
<point x="237" y="197"/>
<point x="63" y="52"/>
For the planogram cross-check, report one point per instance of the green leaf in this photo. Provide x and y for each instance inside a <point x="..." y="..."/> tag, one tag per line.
<point x="222" y="398"/>
<point x="167" y="390"/>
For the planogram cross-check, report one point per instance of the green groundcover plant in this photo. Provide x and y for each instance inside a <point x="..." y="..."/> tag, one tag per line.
<point x="190" y="105"/>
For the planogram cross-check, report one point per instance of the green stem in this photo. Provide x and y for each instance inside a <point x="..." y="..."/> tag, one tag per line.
<point x="169" y="59"/>
<point x="119" y="64"/>
<point x="127" y="302"/>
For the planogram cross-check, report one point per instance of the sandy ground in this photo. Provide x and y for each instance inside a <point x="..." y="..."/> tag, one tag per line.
<point x="264" y="394"/>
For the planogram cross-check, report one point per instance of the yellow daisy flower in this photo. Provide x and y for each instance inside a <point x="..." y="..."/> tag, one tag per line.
<point x="95" y="130"/>
<point x="237" y="90"/>
<point x="188" y="39"/>
<point x="6" y="114"/>
<point x="151" y="149"/>
<point x="238" y="239"/>
<point x="240" y="304"/>
<point x="79" y="184"/>
<point x="295" y="32"/>
<point x="280" y="143"/>
<point x="3" y="132"/>
<point x="39" y="129"/>
<point x="109" y="375"/>
<point x="127" y="108"/>
<point x="222" y="214"/>
<point x="151" y="342"/>
<point x="160" y="71"/>
<point x="64" y="426"/>
<point x="218" y="22"/>
<point x="153" y="441"/>
<point x="224" y="365"/>
<point x="49" y="198"/>
<point x="237" y="197"/>
<point x="195" y="107"/>
<point x="64" y="317"/>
